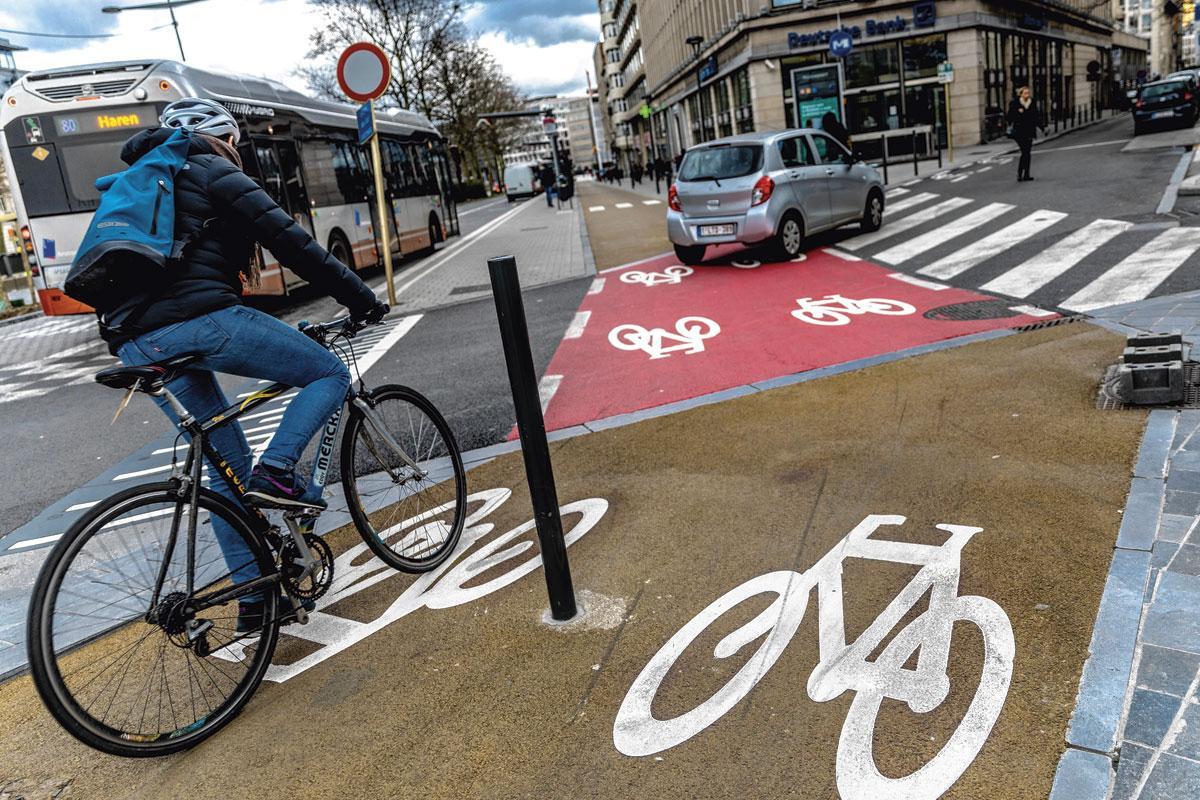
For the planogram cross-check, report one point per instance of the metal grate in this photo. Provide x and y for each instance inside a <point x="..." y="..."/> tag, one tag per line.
<point x="974" y="310"/>
<point x="1049" y="323"/>
<point x="99" y="88"/>
<point x="1109" y="399"/>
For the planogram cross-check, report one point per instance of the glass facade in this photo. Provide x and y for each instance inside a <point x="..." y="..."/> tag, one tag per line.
<point x="1014" y="59"/>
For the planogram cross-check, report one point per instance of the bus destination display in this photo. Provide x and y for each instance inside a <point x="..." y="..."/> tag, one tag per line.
<point x="106" y="119"/>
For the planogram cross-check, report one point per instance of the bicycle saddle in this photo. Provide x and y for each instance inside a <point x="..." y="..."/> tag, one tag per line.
<point x="148" y="377"/>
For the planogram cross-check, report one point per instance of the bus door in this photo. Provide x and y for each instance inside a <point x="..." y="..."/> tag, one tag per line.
<point x="281" y="177"/>
<point x="446" y="190"/>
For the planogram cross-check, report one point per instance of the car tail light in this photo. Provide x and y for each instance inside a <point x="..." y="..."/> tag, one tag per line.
<point x="1187" y="96"/>
<point x="673" y="198"/>
<point x="762" y="190"/>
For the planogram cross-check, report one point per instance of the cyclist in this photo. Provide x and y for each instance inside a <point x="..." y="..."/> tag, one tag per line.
<point x="221" y="213"/>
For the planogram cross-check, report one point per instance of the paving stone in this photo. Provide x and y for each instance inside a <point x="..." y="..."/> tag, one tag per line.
<point x="1150" y="715"/>
<point x="1182" y="503"/>
<point x="1173" y="619"/>
<point x="1187" y="744"/>
<point x="1165" y="670"/>
<point x="1174" y="527"/>
<point x="1172" y="778"/>
<point x="1132" y="762"/>
<point x="1081" y="774"/>
<point x="1187" y="560"/>
<point x="1156" y="446"/>
<point x="1184" y="480"/>
<point x="1139" y="522"/>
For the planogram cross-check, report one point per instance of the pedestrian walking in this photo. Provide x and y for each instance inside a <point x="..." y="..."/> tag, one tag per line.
<point x="635" y="174"/>
<point x="1023" y="122"/>
<point x="546" y="176"/>
<point x="831" y="125"/>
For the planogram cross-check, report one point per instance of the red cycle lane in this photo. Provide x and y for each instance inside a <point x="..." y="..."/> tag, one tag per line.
<point x="658" y="332"/>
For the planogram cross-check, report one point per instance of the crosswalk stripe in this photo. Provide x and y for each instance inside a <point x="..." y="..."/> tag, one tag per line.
<point x="982" y="249"/>
<point x="1025" y="279"/>
<point x="927" y="241"/>
<point x="909" y="202"/>
<point x="914" y="219"/>
<point x="1140" y="273"/>
<point x="895" y="192"/>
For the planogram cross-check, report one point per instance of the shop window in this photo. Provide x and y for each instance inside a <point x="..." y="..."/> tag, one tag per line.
<point x="872" y="65"/>
<point x="720" y="91"/>
<point x="786" y="65"/>
<point x="743" y="110"/>
<point x="922" y="56"/>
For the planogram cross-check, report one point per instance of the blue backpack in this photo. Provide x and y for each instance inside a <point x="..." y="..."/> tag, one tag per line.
<point x="131" y="238"/>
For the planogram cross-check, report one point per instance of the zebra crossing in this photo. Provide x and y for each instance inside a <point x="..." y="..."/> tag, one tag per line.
<point x="1045" y="256"/>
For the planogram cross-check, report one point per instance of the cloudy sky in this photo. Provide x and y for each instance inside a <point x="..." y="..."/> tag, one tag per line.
<point x="545" y="45"/>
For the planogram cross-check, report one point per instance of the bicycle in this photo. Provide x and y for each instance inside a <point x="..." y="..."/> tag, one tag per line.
<point x="125" y="617"/>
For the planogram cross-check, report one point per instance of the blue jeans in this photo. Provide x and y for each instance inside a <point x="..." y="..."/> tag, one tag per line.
<point x="243" y="341"/>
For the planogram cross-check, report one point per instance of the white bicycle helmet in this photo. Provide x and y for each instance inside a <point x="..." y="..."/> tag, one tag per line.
<point x="202" y="116"/>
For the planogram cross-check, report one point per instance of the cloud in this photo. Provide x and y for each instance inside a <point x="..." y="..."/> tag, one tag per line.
<point x="542" y="69"/>
<point x="527" y="20"/>
<point x="57" y="16"/>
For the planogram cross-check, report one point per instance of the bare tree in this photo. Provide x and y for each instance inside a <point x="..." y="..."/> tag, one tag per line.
<point x="437" y="69"/>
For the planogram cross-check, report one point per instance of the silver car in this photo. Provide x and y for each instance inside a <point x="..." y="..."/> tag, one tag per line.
<point x="775" y="188"/>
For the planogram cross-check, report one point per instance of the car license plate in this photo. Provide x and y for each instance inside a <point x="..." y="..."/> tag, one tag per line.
<point x="718" y="230"/>
<point x="1161" y="114"/>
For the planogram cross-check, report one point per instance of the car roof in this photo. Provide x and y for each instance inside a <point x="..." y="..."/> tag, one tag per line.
<point x="1162" y="81"/>
<point x="759" y="137"/>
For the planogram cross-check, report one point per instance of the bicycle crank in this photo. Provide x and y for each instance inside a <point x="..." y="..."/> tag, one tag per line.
<point x="307" y="578"/>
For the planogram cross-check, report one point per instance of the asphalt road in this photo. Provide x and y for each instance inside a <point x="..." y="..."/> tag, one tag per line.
<point x="55" y="419"/>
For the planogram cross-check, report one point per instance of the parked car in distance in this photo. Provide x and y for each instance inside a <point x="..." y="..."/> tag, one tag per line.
<point x="774" y="188"/>
<point x="1192" y="78"/>
<point x="1164" y="103"/>
<point x="520" y="180"/>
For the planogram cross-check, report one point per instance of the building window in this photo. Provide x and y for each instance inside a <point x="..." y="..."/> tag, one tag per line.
<point x="922" y="56"/>
<point x="743" y="109"/>
<point x="724" y="116"/>
<point x="872" y="65"/>
<point x="610" y="30"/>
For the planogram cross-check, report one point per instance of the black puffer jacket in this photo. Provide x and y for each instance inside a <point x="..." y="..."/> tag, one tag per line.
<point x="206" y="279"/>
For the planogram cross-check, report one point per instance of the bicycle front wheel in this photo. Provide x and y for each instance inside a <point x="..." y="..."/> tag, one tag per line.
<point x="134" y="675"/>
<point x="404" y="479"/>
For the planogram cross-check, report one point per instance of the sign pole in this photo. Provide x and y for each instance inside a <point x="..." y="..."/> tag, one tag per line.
<point x="381" y="208"/>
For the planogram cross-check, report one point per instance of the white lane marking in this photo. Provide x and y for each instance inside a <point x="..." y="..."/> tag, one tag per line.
<point x="896" y="192"/>
<point x="575" y="329"/>
<point x="1025" y="279"/>
<point x="597" y="286"/>
<point x="1140" y="273"/>
<point x="1081" y="146"/>
<point x="82" y="506"/>
<point x="924" y="284"/>
<point x="982" y="169"/>
<point x="635" y="263"/>
<point x="909" y="202"/>
<point x="1031" y="311"/>
<point x="462" y="244"/>
<point x="624" y="205"/>
<point x="833" y="251"/>
<point x="365" y="362"/>
<point x="905" y="250"/>
<point x="652" y="202"/>
<point x="35" y="542"/>
<point x="546" y="389"/>
<point x="959" y="178"/>
<point x="492" y="204"/>
<point x="982" y="249"/>
<point x="903" y="224"/>
<point x="595" y="208"/>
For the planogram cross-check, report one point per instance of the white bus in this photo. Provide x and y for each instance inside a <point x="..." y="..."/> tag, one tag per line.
<point x="62" y="129"/>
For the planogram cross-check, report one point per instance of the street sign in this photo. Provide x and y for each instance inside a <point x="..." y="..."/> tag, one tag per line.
<point x="363" y="71"/>
<point x="840" y="44"/>
<point x="945" y="72"/>
<point x="366" y="122"/>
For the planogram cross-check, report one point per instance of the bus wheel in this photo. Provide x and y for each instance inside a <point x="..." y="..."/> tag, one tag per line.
<point x="339" y="248"/>
<point x="435" y="232"/>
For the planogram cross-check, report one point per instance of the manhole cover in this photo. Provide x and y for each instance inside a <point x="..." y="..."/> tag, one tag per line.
<point x="475" y="287"/>
<point x="976" y="309"/>
<point x="1109" y="398"/>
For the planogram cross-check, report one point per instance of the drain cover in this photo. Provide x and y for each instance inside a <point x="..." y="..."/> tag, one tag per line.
<point x="976" y="309"/>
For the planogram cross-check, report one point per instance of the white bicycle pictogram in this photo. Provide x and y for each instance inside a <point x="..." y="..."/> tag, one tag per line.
<point x="672" y="274"/>
<point x="836" y="309"/>
<point x="845" y="667"/>
<point x="689" y="336"/>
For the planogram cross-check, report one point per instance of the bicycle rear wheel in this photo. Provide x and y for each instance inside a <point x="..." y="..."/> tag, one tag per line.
<point x="411" y="518"/>
<point x="134" y="683"/>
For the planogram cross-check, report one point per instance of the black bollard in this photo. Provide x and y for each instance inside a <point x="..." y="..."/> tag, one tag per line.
<point x="514" y="335"/>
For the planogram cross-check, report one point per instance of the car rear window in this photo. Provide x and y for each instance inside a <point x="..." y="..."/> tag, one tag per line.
<point x="721" y="162"/>
<point x="1161" y="89"/>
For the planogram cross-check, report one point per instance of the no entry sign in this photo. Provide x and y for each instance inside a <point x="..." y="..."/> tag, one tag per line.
<point x="363" y="71"/>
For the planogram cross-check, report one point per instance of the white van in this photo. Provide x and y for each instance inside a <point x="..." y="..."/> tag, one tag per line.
<point x="520" y="180"/>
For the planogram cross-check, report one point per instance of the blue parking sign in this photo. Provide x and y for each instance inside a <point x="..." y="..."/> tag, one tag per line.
<point x="841" y="43"/>
<point x="366" y="123"/>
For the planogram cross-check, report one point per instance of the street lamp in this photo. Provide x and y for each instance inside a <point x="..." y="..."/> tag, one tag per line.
<point x="170" y="5"/>
<point x="695" y="42"/>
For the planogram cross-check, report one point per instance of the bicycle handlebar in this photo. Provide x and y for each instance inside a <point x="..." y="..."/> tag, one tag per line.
<point x="344" y="326"/>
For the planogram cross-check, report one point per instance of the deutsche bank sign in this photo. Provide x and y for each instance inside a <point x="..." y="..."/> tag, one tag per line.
<point x="924" y="15"/>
